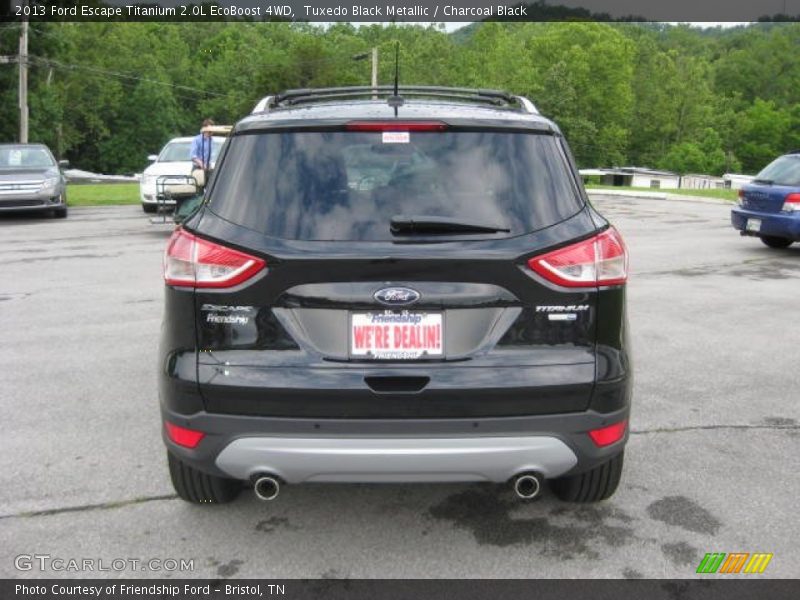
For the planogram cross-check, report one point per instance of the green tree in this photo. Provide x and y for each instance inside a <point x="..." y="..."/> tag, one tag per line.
<point x="763" y="134"/>
<point x="106" y="94"/>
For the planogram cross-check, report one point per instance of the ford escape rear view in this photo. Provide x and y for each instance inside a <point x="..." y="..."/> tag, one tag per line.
<point x="411" y="290"/>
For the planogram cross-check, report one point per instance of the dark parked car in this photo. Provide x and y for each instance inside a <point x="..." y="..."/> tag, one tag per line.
<point x="769" y="206"/>
<point x="31" y="179"/>
<point x="402" y="289"/>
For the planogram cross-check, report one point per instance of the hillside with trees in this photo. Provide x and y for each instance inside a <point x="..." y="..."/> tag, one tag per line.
<point x="105" y="95"/>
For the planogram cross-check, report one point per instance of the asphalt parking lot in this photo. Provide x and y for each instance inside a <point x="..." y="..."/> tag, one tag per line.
<point x="711" y="466"/>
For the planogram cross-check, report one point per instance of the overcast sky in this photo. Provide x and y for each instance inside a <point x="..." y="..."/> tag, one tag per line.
<point x="454" y="26"/>
<point x="654" y="10"/>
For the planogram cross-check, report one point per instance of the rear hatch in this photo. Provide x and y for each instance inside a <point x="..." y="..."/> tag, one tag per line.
<point x="395" y="279"/>
<point x="770" y="189"/>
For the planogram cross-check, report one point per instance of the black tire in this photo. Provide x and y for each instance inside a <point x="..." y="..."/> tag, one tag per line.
<point x="200" y="488"/>
<point x="776" y="242"/>
<point x="150" y="208"/>
<point x="60" y="213"/>
<point x="592" y="486"/>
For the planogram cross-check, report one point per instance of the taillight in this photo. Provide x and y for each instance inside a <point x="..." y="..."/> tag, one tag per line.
<point x="740" y="197"/>
<point x="605" y="436"/>
<point x="601" y="260"/>
<point x="193" y="261"/>
<point x="791" y="203"/>
<point x="188" y="438"/>
<point x="396" y="126"/>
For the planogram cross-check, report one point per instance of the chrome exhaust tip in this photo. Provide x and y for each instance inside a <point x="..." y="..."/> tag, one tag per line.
<point x="266" y="487"/>
<point x="528" y="485"/>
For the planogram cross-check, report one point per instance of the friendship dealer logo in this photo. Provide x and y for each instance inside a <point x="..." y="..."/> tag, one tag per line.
<point x="736" y="562"/>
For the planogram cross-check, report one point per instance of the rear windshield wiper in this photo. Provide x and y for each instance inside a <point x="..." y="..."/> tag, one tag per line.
<point x="402" y="224"/>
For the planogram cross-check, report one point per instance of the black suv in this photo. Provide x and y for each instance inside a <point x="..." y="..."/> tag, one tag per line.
<point x="395" y="285"/>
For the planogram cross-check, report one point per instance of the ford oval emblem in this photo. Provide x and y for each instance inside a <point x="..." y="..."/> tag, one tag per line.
<point x="396" y="296"/>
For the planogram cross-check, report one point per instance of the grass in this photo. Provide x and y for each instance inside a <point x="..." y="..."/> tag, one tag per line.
<point x="102" y="194"/>
<point x="723" y="194"/>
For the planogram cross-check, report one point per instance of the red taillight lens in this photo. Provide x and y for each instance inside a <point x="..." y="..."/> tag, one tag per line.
<point x="601" y="260"/>
<point x="396" y="126"/>
<point x="188" y="438"/>
<point x="605" y="436"/>
<point x="791" y="203"/>
<point x="193" y="261"/>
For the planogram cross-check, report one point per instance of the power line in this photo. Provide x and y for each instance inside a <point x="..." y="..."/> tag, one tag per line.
<point x="76" y="67"/>
<point x="123" y="82"/>
<point x="45" y="63"/>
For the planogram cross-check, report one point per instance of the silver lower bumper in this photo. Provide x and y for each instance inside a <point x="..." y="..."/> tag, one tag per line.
<point x="297" y="460"/>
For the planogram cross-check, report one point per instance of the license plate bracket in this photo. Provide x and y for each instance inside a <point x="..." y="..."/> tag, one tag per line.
<point x="396" y="335"/>
<point x="753" y="225"/>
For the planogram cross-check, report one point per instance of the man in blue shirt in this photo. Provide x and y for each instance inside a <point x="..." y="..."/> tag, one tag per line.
<point x="201" y="147"/>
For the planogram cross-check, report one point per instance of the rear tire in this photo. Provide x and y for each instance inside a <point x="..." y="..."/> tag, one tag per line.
<point x="592" y="486"/>
<point x="149" y="208"/>
<point x="776" y="242"/>
<point x="197" y="487"/>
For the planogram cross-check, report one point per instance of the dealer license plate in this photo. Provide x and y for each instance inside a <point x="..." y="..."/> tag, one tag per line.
<point x="396" y="335"/>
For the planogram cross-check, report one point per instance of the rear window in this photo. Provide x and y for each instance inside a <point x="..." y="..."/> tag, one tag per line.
<point x="182" y="151"/>
<point x="782" y="171"/>
<point x="348" y="185"/>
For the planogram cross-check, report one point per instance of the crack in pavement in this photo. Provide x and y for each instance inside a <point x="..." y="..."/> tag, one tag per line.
<point x="710" y="427"/>
<point x="706" y="267"/>
<point x="86" y="507"/>
<point x="145" y="499"/>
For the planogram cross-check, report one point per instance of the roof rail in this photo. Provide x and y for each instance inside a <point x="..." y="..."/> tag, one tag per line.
<point x="527" y="105"/>
<point x="263" y="104"/>
<point x="309" y="95"/>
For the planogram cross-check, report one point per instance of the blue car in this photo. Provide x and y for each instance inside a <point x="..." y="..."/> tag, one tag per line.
<point x="769" y="206"/>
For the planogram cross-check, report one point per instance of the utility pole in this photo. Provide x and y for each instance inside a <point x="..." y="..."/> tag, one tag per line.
<point x="23" y="81"/>
<point x="375" y="73"/>
<point x="374" y="79"/>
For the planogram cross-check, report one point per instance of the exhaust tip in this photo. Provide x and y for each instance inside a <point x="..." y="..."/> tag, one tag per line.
<point x="528" y="485"/>
<point x="266" y="487"/>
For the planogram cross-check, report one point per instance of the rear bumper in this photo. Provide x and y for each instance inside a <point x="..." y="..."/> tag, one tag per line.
<point x="372" y="450"/>
<point x="299" y="460"/>
<point x="785" y="225"/>
<point x="153" y="200"/>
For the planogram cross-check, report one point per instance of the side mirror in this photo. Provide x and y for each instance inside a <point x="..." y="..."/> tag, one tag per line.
<point x="63" y="164"/>
<point x="152" y="157"/>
